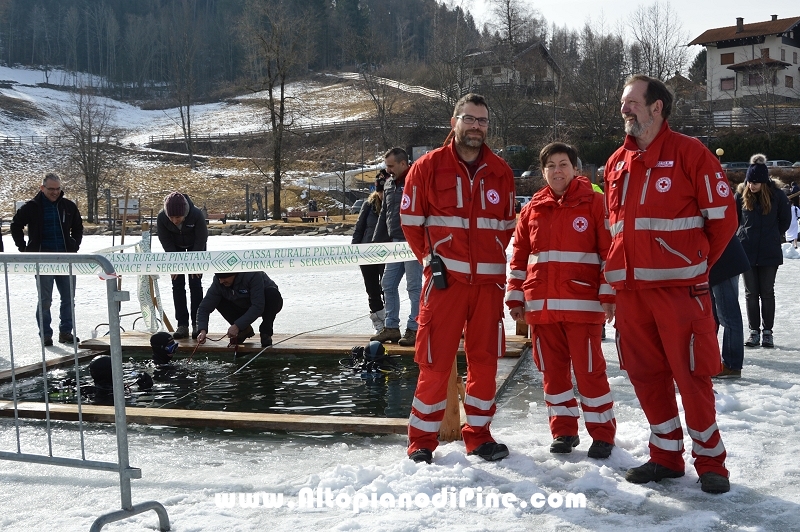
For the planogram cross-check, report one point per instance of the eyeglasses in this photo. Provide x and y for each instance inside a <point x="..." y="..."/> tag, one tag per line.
<point x="469" y="120"/>
<point x="51" y="189"/>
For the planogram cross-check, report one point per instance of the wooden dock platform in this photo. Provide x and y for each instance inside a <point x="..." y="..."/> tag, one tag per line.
<point x="299" y="344"/>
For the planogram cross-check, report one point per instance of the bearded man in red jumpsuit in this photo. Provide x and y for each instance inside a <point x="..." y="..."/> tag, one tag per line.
<point x="671" y="214"/>
<point x="458" y="209"/>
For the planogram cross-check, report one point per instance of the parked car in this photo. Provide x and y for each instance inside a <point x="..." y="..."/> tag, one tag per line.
<point x="520" y="202"/>
<point x="355" y="208"/>
<point x="527" y="174"/>
<point x="517" y="172"/>
<point x="796" y="165"/>
<point x="780" y="163"/>
<point x="735" y="166"/>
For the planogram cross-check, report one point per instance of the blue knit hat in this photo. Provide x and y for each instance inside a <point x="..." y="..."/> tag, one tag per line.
<point x="758" y="171"/>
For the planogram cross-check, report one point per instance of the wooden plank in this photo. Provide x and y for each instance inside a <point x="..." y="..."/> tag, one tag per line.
<point x="306" y="344"/>
<point x="206" y="418"/>
<point x="58" y="362"/>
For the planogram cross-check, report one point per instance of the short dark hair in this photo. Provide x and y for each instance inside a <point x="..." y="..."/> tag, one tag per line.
<point x="656" y="90"/>
<point x="50" y="177"/>
<point x="472" y="98"/>
<point x="399" y="154"/>
<point x="558" y="147"/>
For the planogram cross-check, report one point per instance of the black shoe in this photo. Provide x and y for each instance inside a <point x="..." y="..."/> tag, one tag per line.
<point x="564" y="444"/>
<point x="65" y="338"/>
<point x="195" y="333"/>
<point x="491" y="451"/>
<point x="755" y="338"/>
<point x="421" y="455"/>
<point x="766" y="339"/>
<point x="714" y="483"/>
<point x="245" y="334"/>
<point x="409" y="339"/>
<point x="48" y="341"/>
<point x="266" y="341"/>
<point x="600" y="449"/>
<point x="651" y="471"/>
<point x="181" y="332"/>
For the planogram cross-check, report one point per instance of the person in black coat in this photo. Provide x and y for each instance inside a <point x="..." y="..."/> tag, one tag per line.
<point x="182" y="227"/>
<point x="764" y="217"/>
<point x="54" y="226"/>
<point x="362" y="234"/>
<point x="724" y="282"/>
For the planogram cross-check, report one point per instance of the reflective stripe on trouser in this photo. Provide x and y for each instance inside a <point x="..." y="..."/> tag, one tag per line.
<point x="655" y="329"/>
<point x="477" y="311"/>
<point x="558" y="346"/>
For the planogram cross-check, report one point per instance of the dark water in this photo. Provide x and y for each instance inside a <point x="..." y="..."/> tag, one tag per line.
<point x="281" y="384"/>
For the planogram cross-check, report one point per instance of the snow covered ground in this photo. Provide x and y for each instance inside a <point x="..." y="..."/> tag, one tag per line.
<point x="241" y="115"/>
<point x="759" y="417"/>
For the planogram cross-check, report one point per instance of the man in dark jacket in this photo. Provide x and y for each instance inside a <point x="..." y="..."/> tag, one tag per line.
<point x="389" y="229"/>
<point x="241" y="298"/>
<point x="54" y="226"/>
<point x="182" y="227"/>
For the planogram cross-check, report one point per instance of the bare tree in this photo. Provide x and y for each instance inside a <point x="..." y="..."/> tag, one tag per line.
<point x="89" y="126"/>
<point x="183" y="43"/>
<point x="596" y="84"/>
<point x="275" y="37"/>
<point x="384" y="98"/>
<point x="659" y="39"/>
<point x="516" y="23"/>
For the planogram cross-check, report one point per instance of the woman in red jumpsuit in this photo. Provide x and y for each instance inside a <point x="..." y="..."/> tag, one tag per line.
<point x="557" y="285"/>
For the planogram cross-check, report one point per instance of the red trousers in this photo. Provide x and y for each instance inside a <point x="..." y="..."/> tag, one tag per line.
<point x="667" y="336"/>
<point x="556" y="346"/>
<point x="477" y="311"/>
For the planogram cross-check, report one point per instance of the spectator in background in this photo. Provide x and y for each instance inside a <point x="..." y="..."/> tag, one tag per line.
<point x="389" y="229"/>
<point x="724" y="282"/>
<point x="54" y="226"/>
<point x="791" y="233"/>
<point x="182" y="227"/>
<point x="556" y="285"/>
<point x="362" y="234"/>
<point x="764" y="217"/>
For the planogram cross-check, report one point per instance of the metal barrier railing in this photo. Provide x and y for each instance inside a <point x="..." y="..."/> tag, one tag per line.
<point x="35" y="262"/>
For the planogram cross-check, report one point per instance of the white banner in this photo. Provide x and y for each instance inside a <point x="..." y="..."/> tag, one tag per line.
<point x="270" y="260"/>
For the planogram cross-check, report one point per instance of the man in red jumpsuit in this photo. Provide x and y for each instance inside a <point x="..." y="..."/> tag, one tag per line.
<point x="671" y="214"/>
<point x="458" y="206"/>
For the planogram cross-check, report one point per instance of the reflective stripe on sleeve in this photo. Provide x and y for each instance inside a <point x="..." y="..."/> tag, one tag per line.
<point x="666" y="224"/>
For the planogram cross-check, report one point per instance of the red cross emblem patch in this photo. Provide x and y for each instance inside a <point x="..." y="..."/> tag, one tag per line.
<point x="580" y="224"/>
<point x="663" y="184"/>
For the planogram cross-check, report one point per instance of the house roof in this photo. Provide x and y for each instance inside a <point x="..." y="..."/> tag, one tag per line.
<point x="755" y="29"/>
<point x="492" y="56"/>
<point x="758" y="63"/>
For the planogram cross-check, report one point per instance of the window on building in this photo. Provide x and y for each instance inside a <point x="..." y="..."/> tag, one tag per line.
<point x="783" y="54"/>
<point x="794" y="57"/>
<point x="496" y="70"/>
<point x="726" y="59"/>
<point x="765" y="53"/>
<point x="755" y="78"/>
<point x="477" y="71"/>
<point x="789" y="82"/>
<point x="727" y="84"/>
